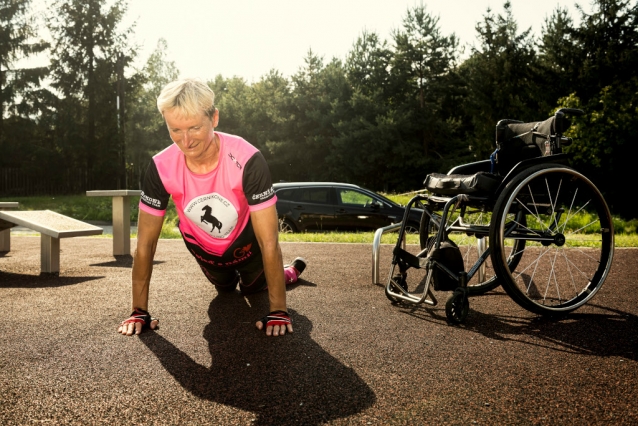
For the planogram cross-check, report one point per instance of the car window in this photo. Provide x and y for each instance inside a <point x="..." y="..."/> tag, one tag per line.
<point x="349" y="197"/>
<point x="313" y="195"/>
<point x="285" y="194"/>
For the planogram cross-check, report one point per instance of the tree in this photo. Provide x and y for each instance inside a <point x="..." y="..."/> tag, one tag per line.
<point x="362" y="147"/>
<point x="557" y="58"/>
<point x="84" y="69"/>
<point x="309" y="117"/>
<point x="604" y="85"/>
<point x="267" y="116"/>
<point x="420" y="77"/>
<point x="18" y="85"/>
<point x="501" y="77"/>
<point x="146" y="133"/>
<point x="422" y="59"/>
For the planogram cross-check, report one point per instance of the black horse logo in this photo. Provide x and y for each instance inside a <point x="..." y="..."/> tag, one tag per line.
<point x="210" y="219"/>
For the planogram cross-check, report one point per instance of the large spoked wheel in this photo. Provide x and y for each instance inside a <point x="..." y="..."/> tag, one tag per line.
<point x="471" y="244"/>
<point x="569" y="234"/>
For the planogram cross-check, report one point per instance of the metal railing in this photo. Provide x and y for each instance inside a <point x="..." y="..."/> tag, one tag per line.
<point x="376" y="247"/>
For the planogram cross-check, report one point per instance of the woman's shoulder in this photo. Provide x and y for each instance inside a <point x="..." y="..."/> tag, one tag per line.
<point x="236" y="145"/>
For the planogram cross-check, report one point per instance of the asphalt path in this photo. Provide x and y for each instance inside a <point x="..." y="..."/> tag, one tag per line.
<point x="354" y="358"/>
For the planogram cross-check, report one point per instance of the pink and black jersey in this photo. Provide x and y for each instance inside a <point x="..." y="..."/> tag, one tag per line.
<point x="214" y="208"/>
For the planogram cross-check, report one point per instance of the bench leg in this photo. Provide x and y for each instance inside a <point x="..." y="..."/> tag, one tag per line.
<point x="5" y="240"/>
<point x="121" y="226"/>
<point x="49" y="254"/>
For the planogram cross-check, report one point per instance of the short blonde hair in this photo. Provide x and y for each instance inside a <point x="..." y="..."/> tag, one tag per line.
<point x="190" y="96"/>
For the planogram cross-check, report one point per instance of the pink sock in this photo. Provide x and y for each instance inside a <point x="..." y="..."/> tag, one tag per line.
<point x="291" y="275"/>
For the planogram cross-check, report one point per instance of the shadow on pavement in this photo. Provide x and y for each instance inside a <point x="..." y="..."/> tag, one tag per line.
<point x="44" y="280"/>
<point x="122" y="261"/>
<point x="613" y="333"/>
<point x="283" y="380"/>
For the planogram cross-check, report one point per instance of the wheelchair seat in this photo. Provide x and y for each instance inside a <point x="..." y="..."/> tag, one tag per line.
<point x="478" y="184"/>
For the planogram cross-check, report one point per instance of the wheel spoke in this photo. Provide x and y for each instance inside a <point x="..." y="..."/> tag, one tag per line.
<point x="569" y="269"/>
<point x="587" y="277"/>
<point x="536" y="216"/>
<point x="577" y="231"/>
<point x="552" y="274"/>
<point x="569" y="212"/>
<point x="527" y="228"/>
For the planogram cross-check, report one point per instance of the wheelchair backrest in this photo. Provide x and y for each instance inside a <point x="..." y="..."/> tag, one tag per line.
<point x="517" y="141"/>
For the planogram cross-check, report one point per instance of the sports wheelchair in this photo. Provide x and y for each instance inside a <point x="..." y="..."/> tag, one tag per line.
<point x="522" y="219"/>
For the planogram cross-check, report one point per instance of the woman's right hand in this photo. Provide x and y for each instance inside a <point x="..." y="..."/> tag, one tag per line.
<point x="138" y="321"/>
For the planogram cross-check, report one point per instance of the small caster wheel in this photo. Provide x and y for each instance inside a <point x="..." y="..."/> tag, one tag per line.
<point x="457" y="307"/>
<point x="400" y="280"/>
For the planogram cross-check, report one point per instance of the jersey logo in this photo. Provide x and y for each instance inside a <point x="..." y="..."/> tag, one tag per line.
<point x="212" y="213"/>
<point x="210" y="219"/>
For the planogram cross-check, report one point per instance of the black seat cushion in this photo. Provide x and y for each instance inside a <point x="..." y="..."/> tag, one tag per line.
<point x="479" y="184"/>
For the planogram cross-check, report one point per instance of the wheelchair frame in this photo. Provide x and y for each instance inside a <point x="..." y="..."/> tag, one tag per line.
<point x="524" y="195"/>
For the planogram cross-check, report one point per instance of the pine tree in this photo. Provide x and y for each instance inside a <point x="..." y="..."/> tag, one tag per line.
<point x="18" y="85"/>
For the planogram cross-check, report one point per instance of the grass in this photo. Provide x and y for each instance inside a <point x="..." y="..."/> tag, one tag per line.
<point x="86" y="208"/>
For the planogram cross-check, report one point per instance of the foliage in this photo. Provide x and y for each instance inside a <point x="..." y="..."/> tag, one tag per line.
<point x="500" y="75"/>
<point x="604" y="85"/>
<point x="145" y="131"/>
<point x="20" y="90"/>
<point x="87" y="61"/>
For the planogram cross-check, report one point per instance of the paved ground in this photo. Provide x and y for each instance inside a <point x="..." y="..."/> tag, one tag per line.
<point x="353" y="359"/>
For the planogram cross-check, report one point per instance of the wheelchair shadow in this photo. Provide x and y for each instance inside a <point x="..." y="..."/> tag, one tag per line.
<point x="282" y="380"/>
<point x="612" y="333"/>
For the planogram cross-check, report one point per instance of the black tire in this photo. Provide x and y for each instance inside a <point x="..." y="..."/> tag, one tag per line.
<point x="556" y="274"/>
<point x="485" y="278"/>
<point x="286" y="227"/>
<point x="412" y="228"/>
<point x="457" y="307"/>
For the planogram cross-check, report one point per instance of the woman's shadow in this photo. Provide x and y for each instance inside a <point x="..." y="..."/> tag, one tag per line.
<point x="283" y="380"/>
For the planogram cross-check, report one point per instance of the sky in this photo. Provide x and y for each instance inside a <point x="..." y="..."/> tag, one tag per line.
<point x="248" y="38"/>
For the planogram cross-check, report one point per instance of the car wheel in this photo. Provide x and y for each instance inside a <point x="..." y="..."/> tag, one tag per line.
<point x="412" y="228"/>
<point x="286" y="226"/>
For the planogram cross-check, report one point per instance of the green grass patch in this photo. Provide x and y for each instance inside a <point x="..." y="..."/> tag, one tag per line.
<point x="402" y="199"/>
<point x="343" y="237"/>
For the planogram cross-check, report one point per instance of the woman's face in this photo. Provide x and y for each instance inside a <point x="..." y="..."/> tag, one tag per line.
<point x="193" y="135"/>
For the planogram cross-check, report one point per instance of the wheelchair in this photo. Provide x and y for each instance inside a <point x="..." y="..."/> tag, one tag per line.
<point x="522" y="219"/>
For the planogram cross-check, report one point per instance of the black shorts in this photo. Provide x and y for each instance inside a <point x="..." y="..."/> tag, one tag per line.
<point x="247" y="270"/>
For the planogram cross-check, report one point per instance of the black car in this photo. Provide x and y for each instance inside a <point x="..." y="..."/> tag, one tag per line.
<point x="327" y="206"/>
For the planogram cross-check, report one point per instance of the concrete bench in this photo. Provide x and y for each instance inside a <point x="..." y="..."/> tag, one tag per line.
<point x="121" y="217"/>
<point x="51" y="226"/>
<point x="5" y="233"/>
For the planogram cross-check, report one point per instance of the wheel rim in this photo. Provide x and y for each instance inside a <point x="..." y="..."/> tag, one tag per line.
<point x="570" y="240"/>
<point x="411" y="229"/>
<point x="285" y="227"/>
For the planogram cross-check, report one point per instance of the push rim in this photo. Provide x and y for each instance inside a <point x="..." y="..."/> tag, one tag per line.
<point x="569" y="235"/>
